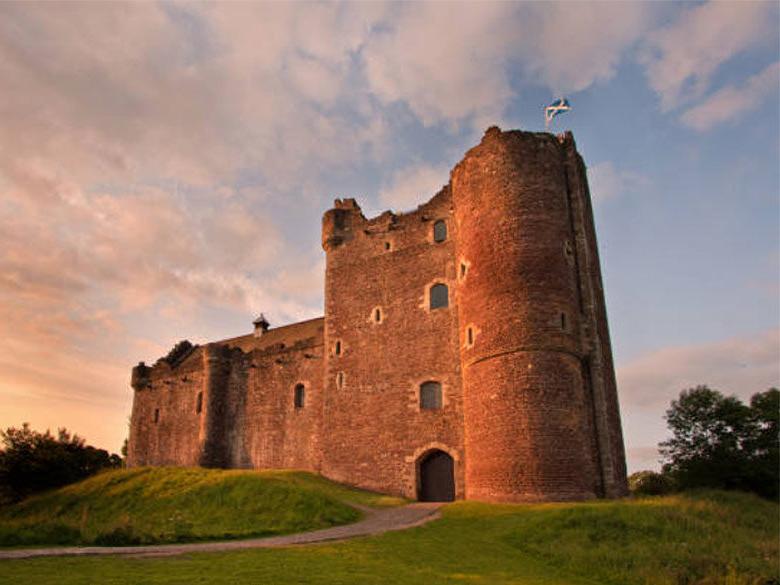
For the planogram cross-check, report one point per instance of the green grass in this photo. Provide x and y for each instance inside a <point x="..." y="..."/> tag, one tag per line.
<point x="696" y="539"/>
<point x="156" y="505"/>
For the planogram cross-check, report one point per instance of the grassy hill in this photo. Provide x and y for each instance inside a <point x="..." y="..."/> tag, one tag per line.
<point x="156" y="505"/>
<point x="708" y="538"/>
<point x="702" y="538"/>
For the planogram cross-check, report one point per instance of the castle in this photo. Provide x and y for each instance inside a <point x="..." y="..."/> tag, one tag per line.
<point x="464" y="351"/>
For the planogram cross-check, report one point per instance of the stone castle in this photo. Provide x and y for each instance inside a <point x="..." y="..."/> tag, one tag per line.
<point x="464" y="351"/>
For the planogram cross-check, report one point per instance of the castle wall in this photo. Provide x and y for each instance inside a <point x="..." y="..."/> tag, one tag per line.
<point x="374" y="430"/>
<point x="175" y="437"/>
<point x="600" y="369"/>
<point x="276" y="434"/>
<point x="528" y="414"/>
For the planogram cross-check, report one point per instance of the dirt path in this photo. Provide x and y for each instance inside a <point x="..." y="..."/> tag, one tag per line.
<point x="374" y="522"/>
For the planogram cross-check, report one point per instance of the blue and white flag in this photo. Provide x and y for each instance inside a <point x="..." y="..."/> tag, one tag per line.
<point x="558" y="106"/>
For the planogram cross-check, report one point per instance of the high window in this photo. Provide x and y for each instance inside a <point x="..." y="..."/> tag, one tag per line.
<point x="430" y="396"/>
<point x="337" y="350"/>
<point x="439" y="296"/>
<point x="156" y="415"/>
<point x="439" y="231"/>
<point x="199" y="403"/>
<point x="300" y="396"/>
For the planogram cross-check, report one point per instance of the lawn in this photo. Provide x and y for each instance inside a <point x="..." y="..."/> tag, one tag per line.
<point x="157" y="505"/>
<point x="708" y="538"/>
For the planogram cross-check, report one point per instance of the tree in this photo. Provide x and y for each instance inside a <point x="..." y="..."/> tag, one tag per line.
<point x="31" y="461"/>
<point x="722" y="443"/>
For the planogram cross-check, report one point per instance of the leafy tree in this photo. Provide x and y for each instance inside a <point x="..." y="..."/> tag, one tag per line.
<point x="720" y="442"/>
<point x="31" y="461"/>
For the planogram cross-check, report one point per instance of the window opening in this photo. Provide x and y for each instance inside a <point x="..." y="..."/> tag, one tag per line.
<point x="300" y="396"/>
<point x="563" y="321"/>
<point x="387" y="246"/>
<point x="340" y="380"/>
<point x="439" y="296"/>
<point x="156" y="415"/>
<point x="439" y="231"/>
<point x="338" y="348"/>
<point x="378" y="315"/>
<point x="430" y="396"/>
<point x="470" y="336"/>
<point x="199" y="403"/>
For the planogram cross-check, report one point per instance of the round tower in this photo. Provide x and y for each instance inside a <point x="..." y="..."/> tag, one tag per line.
<point x="528" y="415"/>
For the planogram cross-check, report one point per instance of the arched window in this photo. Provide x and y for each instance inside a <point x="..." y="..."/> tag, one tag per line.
<point x="439" y="231"/>
<point x="340" y="380"/>
<point x="338" y="348"/>
<point x="300" y="396"/>
<point x="439" y="296"/>
<point x="430" y="395"/>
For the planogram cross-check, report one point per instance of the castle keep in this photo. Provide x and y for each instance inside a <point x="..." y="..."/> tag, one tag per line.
<point x="464" y="351"/>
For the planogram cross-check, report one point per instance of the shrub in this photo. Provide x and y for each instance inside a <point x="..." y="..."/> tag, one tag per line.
<point x="650" y="483"/>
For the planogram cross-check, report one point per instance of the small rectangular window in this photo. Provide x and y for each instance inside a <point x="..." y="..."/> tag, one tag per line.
<point x="430" y="396"/>
<point x="199" y="403"/>
<point x="439" y="296"/>
<point x="300" y="396"/>
<point x="439" y="231"/>
<point x="156" y="415"/>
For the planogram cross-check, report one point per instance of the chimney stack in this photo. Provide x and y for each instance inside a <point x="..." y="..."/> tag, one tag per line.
<point x="261" y="325"/>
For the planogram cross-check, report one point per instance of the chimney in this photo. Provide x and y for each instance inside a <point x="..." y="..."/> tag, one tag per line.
<point x="261" y="325"/>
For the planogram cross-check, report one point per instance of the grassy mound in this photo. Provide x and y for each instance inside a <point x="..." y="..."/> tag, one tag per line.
<point x="156" y="505"/>
<point x="702" y="538"/>
<point x="695" y="539"/>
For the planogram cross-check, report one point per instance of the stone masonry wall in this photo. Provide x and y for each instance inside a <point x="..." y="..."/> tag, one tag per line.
<point x="374" y="429"/>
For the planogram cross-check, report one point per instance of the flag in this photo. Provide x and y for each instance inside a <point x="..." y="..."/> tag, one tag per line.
<point x="557" y="107"/>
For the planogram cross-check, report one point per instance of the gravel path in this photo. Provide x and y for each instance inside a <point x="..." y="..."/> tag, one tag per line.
<point x="374" y="522"/>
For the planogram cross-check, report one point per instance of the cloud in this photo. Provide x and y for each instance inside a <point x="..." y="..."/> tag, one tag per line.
<point x="413" y="186"/>
<point x="682" y="57"/>
<point x="730" y="102"/>
<point x="446" y="64"/>
<point x="607" y="182"/>
<point x="740" y="366"/>
<point x="569" y="46"/>
<point x="451" y="66"/>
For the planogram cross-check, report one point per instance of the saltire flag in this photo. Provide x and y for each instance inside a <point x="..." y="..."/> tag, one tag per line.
<point x="558" y="106"/>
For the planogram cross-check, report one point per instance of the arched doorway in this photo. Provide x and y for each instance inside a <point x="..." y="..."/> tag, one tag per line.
<point x="436" y="477"/>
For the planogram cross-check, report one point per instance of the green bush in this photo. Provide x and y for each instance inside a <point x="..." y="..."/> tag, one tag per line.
<point x="650" y="483"/>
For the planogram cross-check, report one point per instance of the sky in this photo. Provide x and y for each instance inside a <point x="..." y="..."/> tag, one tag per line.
<point x="164" y="168"/>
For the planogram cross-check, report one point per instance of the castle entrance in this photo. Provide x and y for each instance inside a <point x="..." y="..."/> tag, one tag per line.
<point x="436" y="477"/>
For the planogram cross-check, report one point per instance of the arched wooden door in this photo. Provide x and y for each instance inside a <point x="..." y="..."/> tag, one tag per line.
<point x="437" y="477"/>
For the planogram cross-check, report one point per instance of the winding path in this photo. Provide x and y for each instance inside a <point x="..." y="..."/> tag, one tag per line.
<point x="374" y="522"/>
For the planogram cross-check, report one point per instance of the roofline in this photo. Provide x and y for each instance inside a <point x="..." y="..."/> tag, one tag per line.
<point x="229" y="339"/>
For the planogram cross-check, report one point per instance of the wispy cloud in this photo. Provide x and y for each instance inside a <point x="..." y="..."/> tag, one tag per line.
<point x="742" y="366"/>
<point x="731" y="102"/>
<point x="413" y="185"/>
<point x="607" y="181"/>
<point x="682" y="57"/>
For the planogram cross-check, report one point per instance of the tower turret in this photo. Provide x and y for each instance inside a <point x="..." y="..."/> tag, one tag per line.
<point x="529" y="413"/>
